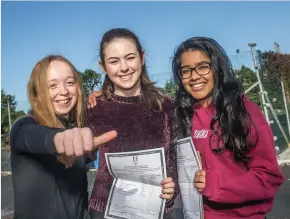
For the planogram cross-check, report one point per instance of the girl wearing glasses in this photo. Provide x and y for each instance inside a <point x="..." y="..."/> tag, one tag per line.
<point x="240" y="173"/>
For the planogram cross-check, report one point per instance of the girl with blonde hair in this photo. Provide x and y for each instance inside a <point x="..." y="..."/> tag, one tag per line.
<point x="49" y="147"/>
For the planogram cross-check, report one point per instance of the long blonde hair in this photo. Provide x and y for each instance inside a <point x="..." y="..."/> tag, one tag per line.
<point x="39" y="98"/>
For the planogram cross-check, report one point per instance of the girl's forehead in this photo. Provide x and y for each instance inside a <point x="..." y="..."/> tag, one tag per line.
<point x="194" y="56"/>
<point x="59" y="70"/>
<point x="119" y="47"/>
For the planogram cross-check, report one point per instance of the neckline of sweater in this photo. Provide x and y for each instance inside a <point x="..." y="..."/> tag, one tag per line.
<point x="133" y="99"/>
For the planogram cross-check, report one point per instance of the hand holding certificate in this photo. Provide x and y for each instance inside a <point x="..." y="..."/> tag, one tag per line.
<point x="167" y="188"/>
<point x="136" y="187"/>
<point x="188" y="163"/>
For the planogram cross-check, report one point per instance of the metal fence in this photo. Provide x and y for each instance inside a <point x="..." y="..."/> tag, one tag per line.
<point x="270" y="93"/>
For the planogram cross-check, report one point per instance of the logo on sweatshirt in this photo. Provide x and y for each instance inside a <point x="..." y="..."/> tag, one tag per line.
<point x="200" y="133"/>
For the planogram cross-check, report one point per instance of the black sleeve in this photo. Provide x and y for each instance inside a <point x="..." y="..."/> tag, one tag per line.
<point x="27" y="136"/>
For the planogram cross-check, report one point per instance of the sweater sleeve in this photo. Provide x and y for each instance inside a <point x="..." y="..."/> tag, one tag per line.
<point x="27" y="136"/>
<point x="263" y="178"/>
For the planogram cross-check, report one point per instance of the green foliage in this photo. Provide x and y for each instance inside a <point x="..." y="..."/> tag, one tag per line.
<point x="273" y="69"/>
<point x="170" y="88"/>
<point x="5" y="98"/>
<point x="277" y="66"/>
<point x="5" y="120"/>
<point x="91" y="80"/>
<point x="248" y="77"/>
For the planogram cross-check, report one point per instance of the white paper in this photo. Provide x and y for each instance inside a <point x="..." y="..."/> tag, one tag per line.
<point x="136" y="188"/>
<point x="187" y="164"/>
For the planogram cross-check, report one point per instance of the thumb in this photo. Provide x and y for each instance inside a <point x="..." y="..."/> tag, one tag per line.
<point x="104" y="138"/>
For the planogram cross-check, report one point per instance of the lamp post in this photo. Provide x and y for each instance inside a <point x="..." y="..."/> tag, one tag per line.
<point x="262" y="92"/>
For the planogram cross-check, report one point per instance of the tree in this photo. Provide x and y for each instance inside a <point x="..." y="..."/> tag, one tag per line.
<point x="271" y="80"/>
<point x="169" y="88"/>
<point x="248" y="77"/>
<point x="14" y="114"/>
<point x="5" y="98"/>
<point x="278" y="67"/>
<point x="91" y="80"/>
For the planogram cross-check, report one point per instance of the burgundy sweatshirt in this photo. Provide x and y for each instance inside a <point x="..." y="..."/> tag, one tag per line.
<point x="138" y="128"/>
<point x="233" y="189"/>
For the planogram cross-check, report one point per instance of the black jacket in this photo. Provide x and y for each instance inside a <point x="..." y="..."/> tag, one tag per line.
<point x="43" y="187"/>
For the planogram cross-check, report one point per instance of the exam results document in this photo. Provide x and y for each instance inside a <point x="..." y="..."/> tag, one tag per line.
<point x="136" y="187"/>
<point x="188" y="162"/>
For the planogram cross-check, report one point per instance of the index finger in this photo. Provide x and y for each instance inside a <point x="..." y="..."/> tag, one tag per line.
<point x="104" y="138"/>
<point x="167" y="180"/>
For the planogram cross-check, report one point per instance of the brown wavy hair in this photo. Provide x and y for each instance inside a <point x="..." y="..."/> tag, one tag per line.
<point x="38" y="94"/>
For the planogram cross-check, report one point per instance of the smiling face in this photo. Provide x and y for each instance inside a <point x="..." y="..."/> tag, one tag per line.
<point x="63" y="89"/>
<point x="123" y="65"/>
<point x="199" y="86"/>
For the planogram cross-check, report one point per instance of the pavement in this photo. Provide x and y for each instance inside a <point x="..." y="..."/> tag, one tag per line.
<point x="281" y="208"/>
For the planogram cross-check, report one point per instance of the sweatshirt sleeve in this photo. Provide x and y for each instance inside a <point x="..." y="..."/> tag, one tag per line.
<point x="260" y="182"/>
<point x="27" y="136"/>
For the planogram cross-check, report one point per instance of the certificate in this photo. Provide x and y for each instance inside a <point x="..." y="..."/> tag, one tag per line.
<point x="188" y="163"/>
<point x="136" y="187"/>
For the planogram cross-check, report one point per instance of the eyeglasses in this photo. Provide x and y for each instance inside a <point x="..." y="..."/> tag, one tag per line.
<point x="203" y="68"/>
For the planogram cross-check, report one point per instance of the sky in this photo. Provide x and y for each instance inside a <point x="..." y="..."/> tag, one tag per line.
<point x="32" y="30"/>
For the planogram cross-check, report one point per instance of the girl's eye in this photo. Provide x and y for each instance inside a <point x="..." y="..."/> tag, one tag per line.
<point x="203" y="67"/>
<point x="114" y="62"/>
<point x="185" y="71"/>
<point x="52" y="86"/>
<point x="71" y="83"/>
<point x="131" y="58"/>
